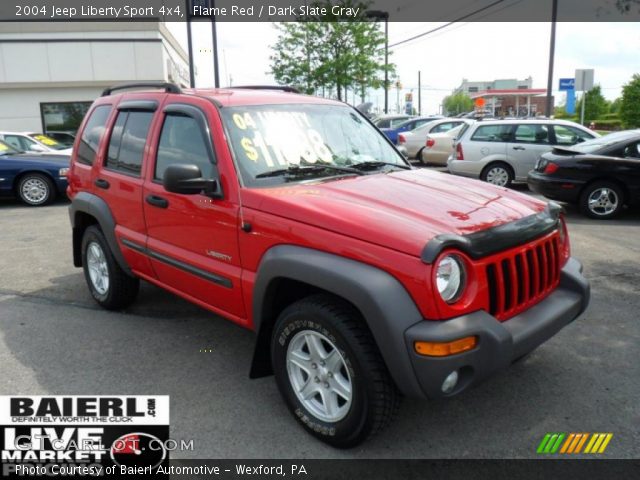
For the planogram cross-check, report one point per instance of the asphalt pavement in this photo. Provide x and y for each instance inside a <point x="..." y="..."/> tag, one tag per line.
<point x="55" y="340"/>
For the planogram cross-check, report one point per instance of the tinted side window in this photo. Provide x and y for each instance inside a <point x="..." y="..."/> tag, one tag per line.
<point x="384" y="123"/>
<point x="182" y="141"/>
<point x="444" y="127"/>
<point x="92" y="134"/>
<point x="128" y="138"/>
<point x="566" y="135"/>
<point x="19" y="142"/>
<point x="492" y="133"/>
<point x="632" y="150"/>
<point x="531" y="133"/>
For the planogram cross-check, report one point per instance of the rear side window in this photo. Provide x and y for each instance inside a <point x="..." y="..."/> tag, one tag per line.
<point x="492" y="133"/>
<point x="445" y="127"/>
<point x="531" y="133"/>
<point x="128" y="139"/>
<point x="92" y="134"/>
<point x="182" y="141"/>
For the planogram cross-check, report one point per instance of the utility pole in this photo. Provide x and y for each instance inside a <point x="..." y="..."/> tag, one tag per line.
<point x="584" y="100"/>
<point x="192" y="75"/>
<point x="419" y="95"/>
<point x="552" y="50"/>
<point x="214" y="37"/>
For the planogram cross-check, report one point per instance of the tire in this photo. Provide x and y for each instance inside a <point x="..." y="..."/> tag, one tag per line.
<point x="36" y="189"/>
<point x="497" y="173"/>
<point x="354" y="366"/>
<point x="419" y="156"/>
<point x="118" y="290"/>
<point x="601" y="200"/>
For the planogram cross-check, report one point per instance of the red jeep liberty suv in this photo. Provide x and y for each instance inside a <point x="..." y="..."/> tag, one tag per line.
<point x="363" y="278"/>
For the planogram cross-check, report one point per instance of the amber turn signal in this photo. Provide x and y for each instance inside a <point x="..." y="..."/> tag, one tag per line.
<point x="444" y="349"/>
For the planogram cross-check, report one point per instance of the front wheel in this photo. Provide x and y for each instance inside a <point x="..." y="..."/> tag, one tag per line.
<point x="36" y="189"/>
<point x="109" y="285"/>
<point x="602" y="200"/>
<point x="330" y="372"/>
<point x="499" y="174"/>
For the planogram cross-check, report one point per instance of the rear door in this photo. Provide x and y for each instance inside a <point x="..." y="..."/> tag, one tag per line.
<point x="529" y="141"/>
<point x="192" y="239"/>
<point x="487" y="142"/>
<point x="118" y="180"/>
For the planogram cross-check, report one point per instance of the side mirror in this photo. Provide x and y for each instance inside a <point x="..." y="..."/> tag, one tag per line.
<point x="187" y="180"/>
<point x="37" y="148"/>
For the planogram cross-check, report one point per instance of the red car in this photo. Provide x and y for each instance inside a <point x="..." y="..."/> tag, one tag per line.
<point x="293" y="216"/>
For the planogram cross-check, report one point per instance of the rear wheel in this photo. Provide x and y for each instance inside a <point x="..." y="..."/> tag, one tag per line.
<point x="498" y="173"/>
<point x="36" y="189"/>
<point x="109" y="285"/>
<point x="330" y="372"/>
<point x="419" y="156"/>
<point x="602" y="200"/>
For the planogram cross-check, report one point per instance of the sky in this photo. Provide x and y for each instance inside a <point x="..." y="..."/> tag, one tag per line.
<point x="475" y="51"/>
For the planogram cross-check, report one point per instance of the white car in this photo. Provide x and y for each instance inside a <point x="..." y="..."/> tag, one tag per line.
<point x="411" y="143"/>
<point x="439" y="146"/>
<point x="504" y="151"/>
<point x="34" y="143"/>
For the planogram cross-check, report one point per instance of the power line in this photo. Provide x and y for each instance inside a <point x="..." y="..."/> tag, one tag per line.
<point x="459" y="19"/>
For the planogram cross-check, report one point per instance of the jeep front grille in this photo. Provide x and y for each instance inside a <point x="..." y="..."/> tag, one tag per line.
<point x="520" y="278"/>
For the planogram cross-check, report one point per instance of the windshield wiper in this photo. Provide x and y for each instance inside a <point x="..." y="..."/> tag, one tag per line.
<point x="376" y="165"/>
<point x="302" y="170"/>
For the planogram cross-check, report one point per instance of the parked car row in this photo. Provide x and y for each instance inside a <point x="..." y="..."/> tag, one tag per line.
<point x="601" y="176"/>
<point x="35" y="178"/>
<point x="35" y="143"/>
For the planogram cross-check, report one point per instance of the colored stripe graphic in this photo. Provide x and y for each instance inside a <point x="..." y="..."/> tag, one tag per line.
<point x="598" y="442"/>
<point x="573" y="443"/>
<point x="550" y="443"/>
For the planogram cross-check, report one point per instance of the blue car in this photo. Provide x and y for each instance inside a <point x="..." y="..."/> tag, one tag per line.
<point x="392" y="133"/>
<point x="34" y="178"/>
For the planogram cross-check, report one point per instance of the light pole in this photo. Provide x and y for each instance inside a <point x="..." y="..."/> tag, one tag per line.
<point x="552" y="49"/>
<point x="381" y="15"/>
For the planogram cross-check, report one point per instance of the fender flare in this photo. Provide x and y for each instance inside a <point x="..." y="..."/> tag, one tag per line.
<point x="97" y="208"/>
<point x="386" y="306"/>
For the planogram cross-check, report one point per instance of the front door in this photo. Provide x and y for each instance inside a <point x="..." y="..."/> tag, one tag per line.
<point x="192" y="239"/>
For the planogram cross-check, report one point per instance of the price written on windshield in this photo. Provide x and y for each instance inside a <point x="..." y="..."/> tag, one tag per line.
<point x="287" y="138"/>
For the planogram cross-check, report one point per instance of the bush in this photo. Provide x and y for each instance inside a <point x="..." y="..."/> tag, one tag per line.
<point x="608" y="124"/>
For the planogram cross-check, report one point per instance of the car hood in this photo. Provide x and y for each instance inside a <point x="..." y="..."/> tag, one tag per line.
<point x="399" y="210"/>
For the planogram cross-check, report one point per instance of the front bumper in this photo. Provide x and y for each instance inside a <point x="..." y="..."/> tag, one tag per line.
<point x="499" y="343"/>
<point x="559" y="189"/>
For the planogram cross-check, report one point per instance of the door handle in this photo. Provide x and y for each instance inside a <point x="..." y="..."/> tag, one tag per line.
<point x="157" y="201"/>
<point x="102" y="183"/>
<point x="518" y="148"/>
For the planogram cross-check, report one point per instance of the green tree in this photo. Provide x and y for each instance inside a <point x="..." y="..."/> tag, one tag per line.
<point x="331" y="53"/>
<point x="457" y="103"/>
<point x="595" y="106"/>
<point x="614" y="107"/>
<point x="630" y="103"/>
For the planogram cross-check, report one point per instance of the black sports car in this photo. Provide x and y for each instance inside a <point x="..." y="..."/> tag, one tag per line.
<point x="600" y="175"/>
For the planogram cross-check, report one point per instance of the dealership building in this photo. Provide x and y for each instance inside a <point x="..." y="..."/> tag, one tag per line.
<point x="51" y="72"/>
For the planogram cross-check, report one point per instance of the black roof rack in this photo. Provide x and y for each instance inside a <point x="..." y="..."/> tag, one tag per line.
<point x="166" y="86"/>
<point x="282" y="88"/>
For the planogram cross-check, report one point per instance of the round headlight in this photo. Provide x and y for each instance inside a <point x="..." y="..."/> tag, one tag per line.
<point x="450" y="278"/>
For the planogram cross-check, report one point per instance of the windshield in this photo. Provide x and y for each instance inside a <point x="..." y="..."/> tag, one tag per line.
<point x="273" y="144"/>
<point x="48" y="141"/>
<point x="6" y="149"/>
<point x="599" y="143"/>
